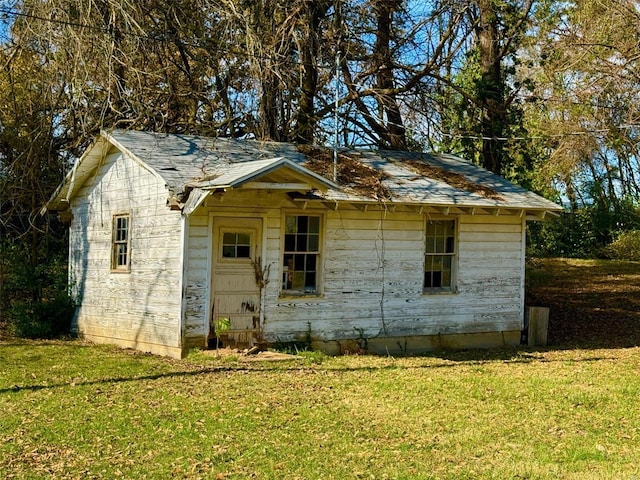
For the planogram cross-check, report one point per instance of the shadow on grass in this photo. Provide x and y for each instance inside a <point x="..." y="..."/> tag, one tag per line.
<point x="104" y="381"/>
<point x="452" y="358"/>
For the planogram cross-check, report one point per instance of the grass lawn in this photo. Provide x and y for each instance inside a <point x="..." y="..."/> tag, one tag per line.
<point x="72" y="410"/>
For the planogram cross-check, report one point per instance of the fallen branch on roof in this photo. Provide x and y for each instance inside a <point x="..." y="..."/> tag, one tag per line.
<point x="456" y="180"/>
<point x="352" y="174"/>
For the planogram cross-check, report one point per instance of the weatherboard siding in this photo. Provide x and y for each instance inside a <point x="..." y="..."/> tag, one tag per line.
<point x="372" y="272"/>
<point x="373" y="264"/>
<point x="139" y="308"/>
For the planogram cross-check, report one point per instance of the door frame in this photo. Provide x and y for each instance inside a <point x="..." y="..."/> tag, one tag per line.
<point x="210" y="253"/>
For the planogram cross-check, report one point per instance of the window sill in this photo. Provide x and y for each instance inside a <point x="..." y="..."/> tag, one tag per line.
<point x="300" y="296"/>
<point x="439" y="291"/>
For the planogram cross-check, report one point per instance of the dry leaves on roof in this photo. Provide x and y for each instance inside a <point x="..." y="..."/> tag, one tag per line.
<point x="355" y="175"/>
<point x="451" y="178"/>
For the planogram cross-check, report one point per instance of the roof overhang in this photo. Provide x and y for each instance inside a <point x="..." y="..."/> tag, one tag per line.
<point x="315" y="199"/>
<point x="77" y="176"/>
<point x="247" y="174"/>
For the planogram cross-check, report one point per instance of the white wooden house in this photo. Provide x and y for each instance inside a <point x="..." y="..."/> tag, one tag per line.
<point x="403" y="252"/>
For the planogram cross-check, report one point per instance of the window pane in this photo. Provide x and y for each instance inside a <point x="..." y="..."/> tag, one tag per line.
<point x="122" y="254"/>
<point x="431" y="245"/>
<point x="314" y="243"/>
<point x="290" y="224"/>
<point x="297" y="282"/>
<point x="244" y="239"/>
<point x="229" y="251"/>
<point x="243" y="251"/>
<point x="310" y="281"/>
<point x="446" y="271"/>
<point x="299" y="263"/>
<point x="303" y="224"/>
<point x="289" y="243"/>
<point x="450" y="245"/>
<point x="310" y="264"/>
<point x="228" y="238"/>
<point x="314" y="224"/>
<point x="301" y="244"/>
<point x="428" y="281"/>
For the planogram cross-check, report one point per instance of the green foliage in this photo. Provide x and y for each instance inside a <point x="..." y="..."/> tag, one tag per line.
<point x="43" y="319"/>
<point x="34" y="298"/>
<point x="582" y="233"/>
<point x="295" y="347"/>
<point x="625" y="247"/>
<point x="569" y="235"/>
<point x="314" y="357"/>
<point x="221" y="325"/>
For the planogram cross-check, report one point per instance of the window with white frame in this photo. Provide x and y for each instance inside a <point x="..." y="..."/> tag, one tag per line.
<point x="301" y="257"/>
<point x="236" y="244"/>
<point x="120" y="251"/>
<point x="440" y="255"/>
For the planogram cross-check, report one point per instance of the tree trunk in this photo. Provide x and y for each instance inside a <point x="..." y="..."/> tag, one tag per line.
<point x="491" y="87"/>
<point x="394" y="135"/>
<point x="306" y="121"/>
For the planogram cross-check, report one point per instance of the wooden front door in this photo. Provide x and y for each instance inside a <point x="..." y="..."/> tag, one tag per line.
<point x="236" y="295"/>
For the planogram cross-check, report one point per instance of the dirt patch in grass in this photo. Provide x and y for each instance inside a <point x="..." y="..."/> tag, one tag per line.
<point x="248" y="356"/>
<point x="593" y="303"/>
<point x="355" y="175"/>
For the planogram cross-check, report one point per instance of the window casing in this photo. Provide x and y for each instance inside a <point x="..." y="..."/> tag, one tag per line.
<point x="440" y="256"/>
<point x="120" y="245"/>
<point x="301" y="255"/>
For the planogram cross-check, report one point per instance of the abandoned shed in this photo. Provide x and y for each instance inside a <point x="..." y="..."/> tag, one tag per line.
<point x="401" y="252"/>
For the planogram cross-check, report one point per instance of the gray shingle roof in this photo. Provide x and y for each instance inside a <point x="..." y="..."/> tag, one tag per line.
<point x="186" y="161"/>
